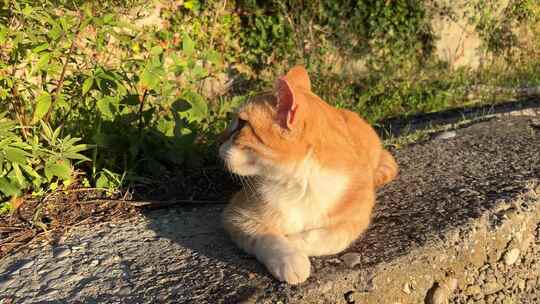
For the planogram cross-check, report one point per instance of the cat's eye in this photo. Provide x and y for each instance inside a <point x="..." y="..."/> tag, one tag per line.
<point x="240" y="124"/>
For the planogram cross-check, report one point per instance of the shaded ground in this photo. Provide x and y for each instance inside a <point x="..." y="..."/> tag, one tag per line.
<point x="447" y="204"/>
<point x="53" y="215"/>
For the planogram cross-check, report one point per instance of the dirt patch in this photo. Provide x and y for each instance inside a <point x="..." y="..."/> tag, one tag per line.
<point x="52" y="215"/>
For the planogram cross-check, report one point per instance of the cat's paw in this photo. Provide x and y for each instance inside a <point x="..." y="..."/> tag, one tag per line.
<point x="293" y="267"/>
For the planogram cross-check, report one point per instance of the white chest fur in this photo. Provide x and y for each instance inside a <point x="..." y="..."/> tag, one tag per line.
<point x="301" y="197"/>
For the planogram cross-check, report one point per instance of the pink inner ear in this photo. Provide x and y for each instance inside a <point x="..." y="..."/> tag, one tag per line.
<point x="286" y="105"/>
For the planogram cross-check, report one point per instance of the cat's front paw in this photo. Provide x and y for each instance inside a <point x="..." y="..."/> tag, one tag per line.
<point x="293" y="267"/>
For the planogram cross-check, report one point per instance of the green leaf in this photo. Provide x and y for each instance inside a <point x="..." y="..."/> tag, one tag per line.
<point x="87" y="85"/>
<point x="102" y="181"/>
<point x="188" y="46"/>
<point x="166" y="127"/>
<point x="47" y="131"/>
<point x="27" y="10"/>
<point x="106" y="107"/>
<point x="199" y="72"/>
<point x="192" y="5"/>
<point x="7" y="188"/>
<point x="199" y="109"/>
<point x="73" y="155"/>
<point x="15" y="155"/>
<point x="31" y="171"/>
<point x="43" y="61"/>
<point x="156" y="50"/>
<point x="60" y="169"/>
<point x="5" y="207"/>
<point x="3" y="33"/>
<point x="56" y="133"/>
<point x="78" y="148"/>
<point x="40" y="48"/>
<point x="64" y="23"/>
<point x="109" y="18"/>
<point x="150" y="78"/>
<point x="43" y="103"/>
<point x="18" y="174"/>
<point x="213" y="57"/>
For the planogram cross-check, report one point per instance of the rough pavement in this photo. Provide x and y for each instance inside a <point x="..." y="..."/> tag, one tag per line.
<point x="461" y="223"/>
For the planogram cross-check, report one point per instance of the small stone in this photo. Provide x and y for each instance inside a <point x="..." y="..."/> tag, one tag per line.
<point x="491" y="277"/>
<point x="481" y="278"/>
<point x="406" y="288"/>
<point x="511" y="256"/>
<point x="535" y="122"/>
<point x="349" y="297"/>
<point x="334" y="261"/>
<point x="5" y="283"/>
<point x="490" y="299"/>
<point x="25" y="272"/>
<point x="473" y="289"/>
<point x="81" y="247"/>
<point x="446" y="135"/>
<point x="27" y="264"/>
<point x="443" y="291"/>
<point x="94" y="263"/>
<point x="326" y="287"/>
<point x="492" y="287"/>
<point x="521" y="284"/>
<point x="61" y="252"/>
<point x="6" y="301"/>
<point x="123" y="291"/>
<point x="351" y="259"/>
<point x="52" y="275"/>
<point x="507" y="301"/>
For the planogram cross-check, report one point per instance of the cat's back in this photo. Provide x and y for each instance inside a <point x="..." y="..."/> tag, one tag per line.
<point x="366" y="141"/>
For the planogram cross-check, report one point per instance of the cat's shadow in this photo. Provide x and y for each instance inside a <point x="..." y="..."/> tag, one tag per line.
<point x="206" y="256"/>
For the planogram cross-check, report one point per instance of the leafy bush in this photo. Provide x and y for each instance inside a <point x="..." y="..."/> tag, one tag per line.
<point x="118" y="92"/>
<point x="131" y="93"/>
<point x="40" y="158"/>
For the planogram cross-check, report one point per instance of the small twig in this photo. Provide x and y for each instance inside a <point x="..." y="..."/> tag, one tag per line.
<point x="17" y="104"/>
<point x="6" y="228"/>
<point x="90" y="189"/>
<point x="60" y="84"/>
<point x="141" y="106"/>
<point x="149" y="202"/>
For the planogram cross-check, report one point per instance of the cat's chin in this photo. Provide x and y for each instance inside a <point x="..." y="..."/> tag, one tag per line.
<point x="243" y="169"/>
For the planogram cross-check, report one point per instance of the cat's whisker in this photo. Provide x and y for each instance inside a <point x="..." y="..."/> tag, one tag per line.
<point x="255" y="188"/>
<point x="250" y="187"/>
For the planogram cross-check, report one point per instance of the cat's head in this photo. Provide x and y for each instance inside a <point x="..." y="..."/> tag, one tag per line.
<point x="267" y="133"/>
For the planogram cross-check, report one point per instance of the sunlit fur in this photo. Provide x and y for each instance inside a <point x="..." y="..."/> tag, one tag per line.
<point x="309" y="172"/>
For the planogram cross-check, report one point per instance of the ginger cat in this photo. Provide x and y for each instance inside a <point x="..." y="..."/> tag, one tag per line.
<point x="313" y="171"/>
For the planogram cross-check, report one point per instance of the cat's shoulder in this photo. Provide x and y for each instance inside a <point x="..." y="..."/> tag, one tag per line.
<point x="352" y="118"/>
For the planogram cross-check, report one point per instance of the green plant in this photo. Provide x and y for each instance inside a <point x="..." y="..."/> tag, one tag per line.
<point x="42" y="158"/>
<point x="132" y="94"/>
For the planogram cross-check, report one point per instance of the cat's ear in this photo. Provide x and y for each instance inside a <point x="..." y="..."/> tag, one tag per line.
<point x="298" y="77"/>
<point x="286" y="104"/>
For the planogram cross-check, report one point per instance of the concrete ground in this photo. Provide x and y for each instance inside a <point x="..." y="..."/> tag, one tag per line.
<point x="461" y="224"/>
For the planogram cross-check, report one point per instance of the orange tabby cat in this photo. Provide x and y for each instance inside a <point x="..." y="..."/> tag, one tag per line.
<point x="313" y="171"/>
